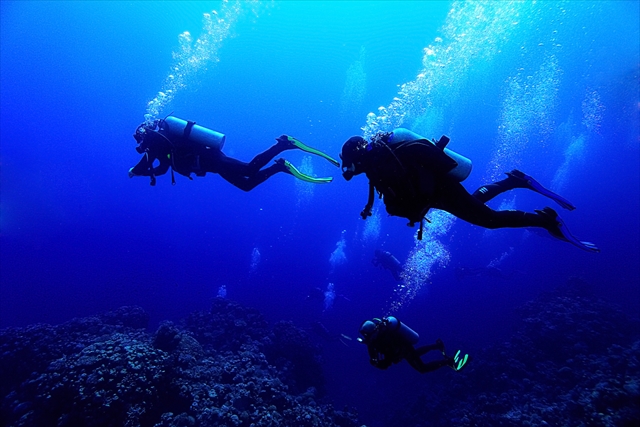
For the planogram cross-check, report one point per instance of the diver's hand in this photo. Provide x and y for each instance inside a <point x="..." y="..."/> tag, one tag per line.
<point x="366" y="212"/>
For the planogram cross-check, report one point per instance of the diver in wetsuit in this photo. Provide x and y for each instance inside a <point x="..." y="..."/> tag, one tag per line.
<point x="389" y="262"/>
<point x="389" y="341"/>
<point x="188" y="149"/>
<point x="413" y="175"/>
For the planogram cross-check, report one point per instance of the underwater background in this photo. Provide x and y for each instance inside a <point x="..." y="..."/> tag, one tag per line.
<point x="550" y="88"/>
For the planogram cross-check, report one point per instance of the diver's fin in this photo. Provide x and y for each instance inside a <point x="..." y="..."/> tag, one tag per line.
<point x="561" y="231"/>
<point x="534" y="185"/>
<point x="295" y="172"/>
<point x="459" y="362"/>
<point x="311" y="150"/>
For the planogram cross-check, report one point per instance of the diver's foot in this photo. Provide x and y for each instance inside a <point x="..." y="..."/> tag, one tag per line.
<point x="527" y="181"/>
<point x="440" y="345"/>
<point x="284" y="143"/>
<point x="289" y="142"/>
<point x="458" y="362"/>
<point x="131" y="174"/>
<point x="558" y="229"/>
<point x="289" y="168"/>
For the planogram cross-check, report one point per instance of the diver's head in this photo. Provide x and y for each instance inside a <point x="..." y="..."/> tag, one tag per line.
<point x="366" y="330"/>
<point x="352" y="156"/>
<point x="142" y="131"/>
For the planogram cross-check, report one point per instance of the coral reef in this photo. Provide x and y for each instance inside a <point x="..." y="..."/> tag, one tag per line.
<point x="223" y="367"/>
<point x="573" y="361"/>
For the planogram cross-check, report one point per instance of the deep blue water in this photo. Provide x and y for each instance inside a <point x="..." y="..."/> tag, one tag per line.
<point x="550" y="88"/>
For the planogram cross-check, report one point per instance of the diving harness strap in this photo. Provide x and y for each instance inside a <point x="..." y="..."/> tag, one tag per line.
<point x="381" y="139"/>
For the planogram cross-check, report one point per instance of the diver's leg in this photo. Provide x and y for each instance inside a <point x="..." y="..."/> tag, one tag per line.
<point x="261" y="160"/>
<point x="439" y="345"/>
<point x="517" y="179"/>
<point x="143" y="168"/>
<point x="452" y="197"/>
<point x="248" y="183"/>
<point x="489" y="191"/>
<point x="417" y="364"/>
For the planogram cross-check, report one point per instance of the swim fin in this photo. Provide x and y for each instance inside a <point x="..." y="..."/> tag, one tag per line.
<point x="561" y="231"/>
<point x="295" y="172"/>
<point x="534" y="185"/>
<point x="311" y="150"/>
<point x="459" y="362"/>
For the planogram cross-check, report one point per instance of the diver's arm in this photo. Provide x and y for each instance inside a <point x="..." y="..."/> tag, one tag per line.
<point x="366" y="212"/>
<point x="163" y="167"/>
<point x="143" y="168"/>
<point x="377" y="359"/>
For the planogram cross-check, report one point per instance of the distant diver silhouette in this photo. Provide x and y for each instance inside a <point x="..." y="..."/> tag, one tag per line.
<point x="389" y="262"/>
<point x="187" y="148"/>
<point x="390" y="341"/>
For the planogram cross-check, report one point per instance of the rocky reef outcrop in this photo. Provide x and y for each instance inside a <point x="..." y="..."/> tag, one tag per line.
<point x="225" y="367"/>
<point x="574" y="360"/>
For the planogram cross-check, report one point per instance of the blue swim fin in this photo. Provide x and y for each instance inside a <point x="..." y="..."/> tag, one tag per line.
<point x="559" y="230"/>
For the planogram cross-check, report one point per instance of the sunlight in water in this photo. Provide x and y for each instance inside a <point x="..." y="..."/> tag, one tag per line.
<point x="355" y="87"/>
<point x="192" y="57"/>
<point x="338" y="257"/>
<point x="255" y="260"/>
<point x="329" y="296"/>
<point x="304" y="189"/>
<point x="527" y="109"/>
<point x="426" y="254"/>
<point x="473" y="34"/>
<point x="371" y="230"/>
<point x="575" y="153"/>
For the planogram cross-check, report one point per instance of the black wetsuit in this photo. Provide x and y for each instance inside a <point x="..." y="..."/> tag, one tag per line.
<point x="412" y="177"/>
<point x="187" y="157"/>
<point x="387" y="347"/>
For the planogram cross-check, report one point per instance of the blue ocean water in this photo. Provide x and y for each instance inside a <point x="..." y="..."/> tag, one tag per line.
<point x="550" y="88"/>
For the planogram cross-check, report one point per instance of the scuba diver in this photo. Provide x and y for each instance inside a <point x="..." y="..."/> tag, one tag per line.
<point x="387" y="261"/>
<point x="389" y="341"/>
<point x="188" y="148"/>
<point x="414" y="175"/>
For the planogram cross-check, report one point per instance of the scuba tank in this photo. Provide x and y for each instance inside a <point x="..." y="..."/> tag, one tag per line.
<point x="174" y="128"/>
<point x="460" y="172"/>
<point x="406" y="332"/>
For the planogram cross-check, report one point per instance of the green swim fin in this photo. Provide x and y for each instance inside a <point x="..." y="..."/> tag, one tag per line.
<point x="295" y="172"/>
<point x="311" y="150"/>
<point x="459" y="363"/>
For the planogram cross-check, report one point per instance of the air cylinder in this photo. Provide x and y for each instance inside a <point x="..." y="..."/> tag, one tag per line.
<point x="174" y="128"/>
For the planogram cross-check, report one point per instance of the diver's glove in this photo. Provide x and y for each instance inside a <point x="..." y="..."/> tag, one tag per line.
<point x="366" y="212"/>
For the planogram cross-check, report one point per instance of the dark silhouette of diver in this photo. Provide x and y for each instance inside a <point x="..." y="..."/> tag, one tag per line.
<point x="389" y="262"/>
<point x="188" y="149"/>
<point x="413" y="175"/>
<point x="389" y="341"/>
